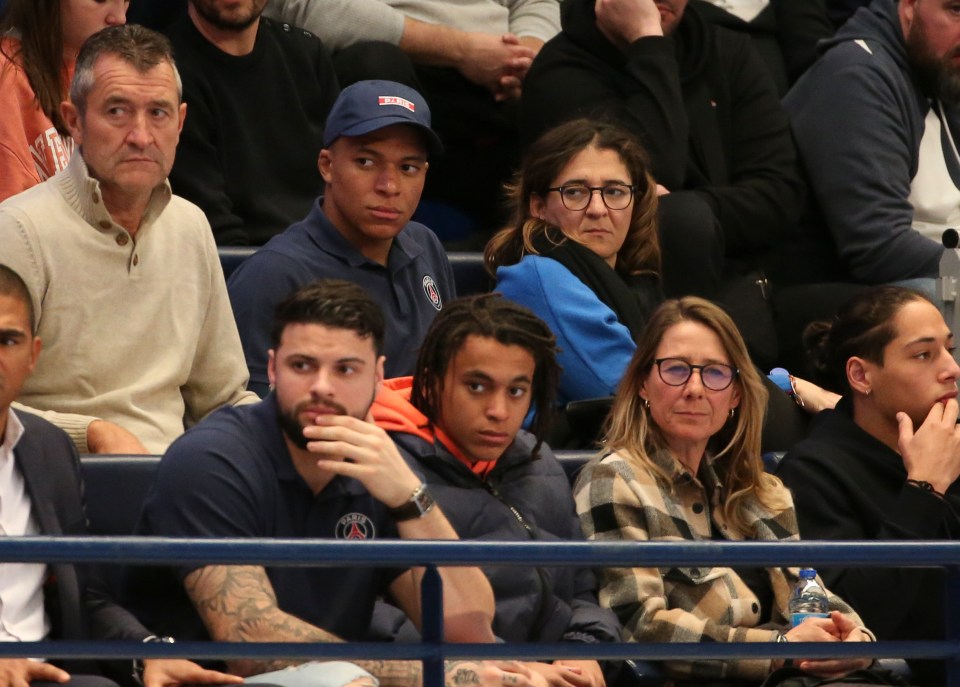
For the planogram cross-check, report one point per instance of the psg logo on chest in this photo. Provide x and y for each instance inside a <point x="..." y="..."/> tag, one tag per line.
<point x="355" y="526"/>
<point x="432" y="291"/>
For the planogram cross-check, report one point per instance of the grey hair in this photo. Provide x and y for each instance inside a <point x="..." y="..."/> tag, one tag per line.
<point x="136" y="45"/>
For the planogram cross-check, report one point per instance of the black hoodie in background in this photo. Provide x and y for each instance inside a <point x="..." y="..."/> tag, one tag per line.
<point x="703" y="105"/>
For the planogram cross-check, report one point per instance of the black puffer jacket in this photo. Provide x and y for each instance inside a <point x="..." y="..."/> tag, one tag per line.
<point x="521" y="499"/>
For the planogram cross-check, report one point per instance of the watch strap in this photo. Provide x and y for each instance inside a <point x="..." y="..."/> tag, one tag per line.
<point x="419" y="504"/>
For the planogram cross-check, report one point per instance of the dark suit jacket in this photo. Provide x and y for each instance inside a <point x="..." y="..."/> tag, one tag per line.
<point x="77" y="602"/>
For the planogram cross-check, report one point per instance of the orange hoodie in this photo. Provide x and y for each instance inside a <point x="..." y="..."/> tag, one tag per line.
<point x="393" y="412"/>
<point x="31" y="149"/>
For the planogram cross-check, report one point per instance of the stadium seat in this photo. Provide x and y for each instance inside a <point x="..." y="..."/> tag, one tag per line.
<point x="232" y="256"/>
<point x="114" y="489"/>
<point x="468" y="272"/>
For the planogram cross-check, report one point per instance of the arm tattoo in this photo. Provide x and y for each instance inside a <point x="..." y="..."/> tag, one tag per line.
<point x="237" y="604"/>
<point x="463" y="676"/>
<point x="462" y="673"/>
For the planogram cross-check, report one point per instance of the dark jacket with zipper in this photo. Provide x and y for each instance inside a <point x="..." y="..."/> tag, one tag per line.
<point x="521" y="499"/>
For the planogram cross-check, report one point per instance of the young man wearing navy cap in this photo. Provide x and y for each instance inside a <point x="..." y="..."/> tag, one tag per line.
<point x="377" y="141"/>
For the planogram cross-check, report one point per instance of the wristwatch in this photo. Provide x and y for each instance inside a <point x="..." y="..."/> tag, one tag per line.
<point x="138" y="662"/>
<point x="782" y="639"/>
<point x="419" y="504"/>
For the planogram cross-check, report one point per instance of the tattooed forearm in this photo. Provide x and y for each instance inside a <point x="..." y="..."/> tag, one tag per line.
<point x="237" y="604"/>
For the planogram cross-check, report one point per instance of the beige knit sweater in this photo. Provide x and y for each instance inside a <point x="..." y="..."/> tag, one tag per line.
<point x="135" y="331"/>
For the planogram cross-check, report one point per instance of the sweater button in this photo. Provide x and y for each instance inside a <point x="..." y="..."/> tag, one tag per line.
<point x="95" y="197"/>
<point x="136" y="260"/>
<point x="104" y="224"/>
<point x="122" y="239"/>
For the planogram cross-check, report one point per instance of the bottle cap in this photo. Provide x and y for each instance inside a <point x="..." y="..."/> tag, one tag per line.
<point x="807" y="573"/>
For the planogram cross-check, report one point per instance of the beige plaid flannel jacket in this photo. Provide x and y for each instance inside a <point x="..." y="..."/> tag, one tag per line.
<point x="617" y="502"/>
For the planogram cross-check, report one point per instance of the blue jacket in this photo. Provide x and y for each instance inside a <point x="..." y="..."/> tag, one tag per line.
<point x="595" y="348"/>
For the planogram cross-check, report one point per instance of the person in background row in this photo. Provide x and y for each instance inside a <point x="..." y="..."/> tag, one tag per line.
<point x="259" y="93"/>
<point x="884" y="95"/>
<point x="701" y="103"/>
<point x="682" y="462"/>
<point x="885" y="464"/>
<point x="469" y="59"/>
<point x="484" y="363"/>
<point x="124" y="276"/>
<point x="374" y="161"/>
<point x="583" y="252"/>
<point x="39" y="42"/>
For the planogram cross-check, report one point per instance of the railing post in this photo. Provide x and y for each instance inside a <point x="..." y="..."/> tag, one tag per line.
<point x="952" y="622"/>
<point x="431" y="605"/>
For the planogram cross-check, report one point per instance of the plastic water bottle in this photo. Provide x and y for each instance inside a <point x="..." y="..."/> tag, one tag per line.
<point x="808" y="598"/>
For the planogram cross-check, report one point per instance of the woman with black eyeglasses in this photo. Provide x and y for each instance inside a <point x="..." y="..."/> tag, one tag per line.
<point x="683" y="463"/>
<point x="583" y="253"/>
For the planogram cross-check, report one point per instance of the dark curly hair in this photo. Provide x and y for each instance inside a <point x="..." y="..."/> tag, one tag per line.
<point x="332" y="303"/>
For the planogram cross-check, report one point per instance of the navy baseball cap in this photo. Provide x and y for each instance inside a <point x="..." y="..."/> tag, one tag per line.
<point x="367" y="106"/>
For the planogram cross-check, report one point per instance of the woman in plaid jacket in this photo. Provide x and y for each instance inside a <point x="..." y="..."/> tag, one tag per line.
<point x="684" y="437"/>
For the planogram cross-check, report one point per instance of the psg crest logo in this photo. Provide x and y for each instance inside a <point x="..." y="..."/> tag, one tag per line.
<point x="433" y="293"/>
<point x="355" y="526"/>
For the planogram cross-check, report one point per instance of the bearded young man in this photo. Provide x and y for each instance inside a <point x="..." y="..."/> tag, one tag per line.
<point x="875" y="121"/>
<point x="259" y="93"/>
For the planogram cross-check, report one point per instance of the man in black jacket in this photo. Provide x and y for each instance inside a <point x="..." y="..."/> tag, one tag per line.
<point x="40" y="494"/>
<point x="705" y="108"/>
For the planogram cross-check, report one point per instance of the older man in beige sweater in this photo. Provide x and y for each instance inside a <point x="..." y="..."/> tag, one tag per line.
<point x="124" y="276"/>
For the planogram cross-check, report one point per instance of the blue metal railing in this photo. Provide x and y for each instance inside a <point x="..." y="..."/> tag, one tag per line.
<point x="309" y="553"/>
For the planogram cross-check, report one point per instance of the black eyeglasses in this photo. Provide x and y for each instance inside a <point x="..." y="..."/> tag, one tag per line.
<point x="714" y="376"/>
<point x="578" y="196"/>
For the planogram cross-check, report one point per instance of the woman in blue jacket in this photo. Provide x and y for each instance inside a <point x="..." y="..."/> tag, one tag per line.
<point x="583" y="253"/>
